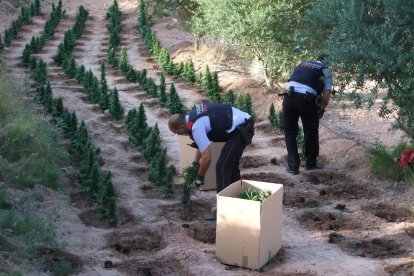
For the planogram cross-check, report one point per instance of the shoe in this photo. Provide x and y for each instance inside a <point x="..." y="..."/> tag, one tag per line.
<point x="292" y="171"/>
<point x="317" y="166"/>
<point x="211" y="217"/>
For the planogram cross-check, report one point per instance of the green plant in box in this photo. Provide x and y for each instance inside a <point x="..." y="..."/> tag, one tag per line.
<point x="251" y="194"/>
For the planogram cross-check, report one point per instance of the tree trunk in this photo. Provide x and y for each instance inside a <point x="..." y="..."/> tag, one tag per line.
<point x="268" y="79"/>
<point x="197" y="44"/>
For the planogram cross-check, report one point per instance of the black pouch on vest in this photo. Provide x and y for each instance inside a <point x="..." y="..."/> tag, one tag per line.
<point x="247" y="131"/>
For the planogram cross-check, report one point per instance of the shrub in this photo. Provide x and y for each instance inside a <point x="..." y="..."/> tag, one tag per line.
<point x="157" y="168"/>
<point x="152" y="144"/>
<point x="108" y="200"/>
<point x="163" y="95"/>
<point x="188" y="189"/>
<point x="136" y="123"/>
<point x="383" y="165"/>
<point x="174" y="103"/>
<point x="276" y="119"/>
<point x="115" y="108"/>
<point x="229" y="97"/>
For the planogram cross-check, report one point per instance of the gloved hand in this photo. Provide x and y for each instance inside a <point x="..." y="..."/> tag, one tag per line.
<point x="199" y="181"/>
<point x="320" y="112"/>
<point x="193" y="145"/>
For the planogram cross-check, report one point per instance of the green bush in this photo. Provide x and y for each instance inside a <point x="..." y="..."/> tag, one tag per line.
<point x="174" y="102"/>
<point x="383" y="165"/>
<point x="152" y="144"/>
<point x="276" y="119"/>
<point x="229" y="97"/>
<point x="188" y="189"/>
<point x="115" y="108"/>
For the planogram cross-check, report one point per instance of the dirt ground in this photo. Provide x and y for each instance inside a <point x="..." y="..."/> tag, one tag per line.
<point x="337" y="221"/>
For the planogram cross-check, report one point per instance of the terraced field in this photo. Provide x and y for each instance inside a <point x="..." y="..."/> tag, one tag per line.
<point x="338" y="221"/>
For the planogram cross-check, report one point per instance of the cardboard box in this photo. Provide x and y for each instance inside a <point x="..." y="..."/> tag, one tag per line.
<point x="187" y="154"/>
<point x="248" y="233"/>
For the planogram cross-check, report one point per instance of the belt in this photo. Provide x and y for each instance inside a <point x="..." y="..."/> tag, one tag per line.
<point x="296" y="93"/>
<point x="291" y="90"/>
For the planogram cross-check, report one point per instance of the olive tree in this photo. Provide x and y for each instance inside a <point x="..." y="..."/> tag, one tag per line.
<point x="370" y="47"/>
<point x="257" y="29"/>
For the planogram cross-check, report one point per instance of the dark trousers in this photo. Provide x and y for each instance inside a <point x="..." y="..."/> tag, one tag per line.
<point x="301" y="106"/>
<point x="227" y="167"/>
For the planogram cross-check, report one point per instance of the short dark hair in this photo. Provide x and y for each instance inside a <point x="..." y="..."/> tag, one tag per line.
<point x="322" y="57"/>
<point x="176" y="120"/>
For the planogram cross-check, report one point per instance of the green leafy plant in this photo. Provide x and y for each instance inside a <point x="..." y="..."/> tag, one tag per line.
<point x="151" y="144"/>
<point x="188" y="189"/>
<point x="229" y="97"/>
<point x="174" y="103"/>
<point x="251" y="194"/>
<point x="276" y="119"/>
<point x="383" y="165"/>
<point x="162" y="94"/>
<point x="115" y="108"/>
<point x="108" y="199"/>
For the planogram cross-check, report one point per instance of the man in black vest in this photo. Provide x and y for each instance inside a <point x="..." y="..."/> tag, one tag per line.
<point x="310" y="81"/>
<point x="208" y="123"/>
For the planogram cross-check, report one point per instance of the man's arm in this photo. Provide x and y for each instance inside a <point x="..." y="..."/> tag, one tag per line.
<point x="200" y="138"/>
<point x="205" y="160"/>
<point x="327" y="91"/>
<point x="326" y="96"/>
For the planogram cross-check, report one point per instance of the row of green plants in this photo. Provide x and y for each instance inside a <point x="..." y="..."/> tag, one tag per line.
<point x="82" y="149"/>
<point x="96" y="90"/>
<point x="114" y="18"/>
<point x="66" y="47"/>
<point x="25" y="17"/>
<point x="207" y="80"/>
<point x="169" y="100"/>
<point x="37" y="43"/>
<point x="148" y="141"/>
<point x="146" y="138"/>
<point x="91" y="178"/>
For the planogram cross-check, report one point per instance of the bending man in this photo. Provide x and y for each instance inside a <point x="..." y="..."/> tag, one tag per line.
<point x="310" y="81"/>
<point x="209" y="123"/>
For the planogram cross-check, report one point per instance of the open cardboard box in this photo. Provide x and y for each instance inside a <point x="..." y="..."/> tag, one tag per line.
<point x="248" y="233"/>
<point x="187" y="154"/>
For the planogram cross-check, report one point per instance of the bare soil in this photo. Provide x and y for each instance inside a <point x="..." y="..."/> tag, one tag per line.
<point x="337" y="221"/>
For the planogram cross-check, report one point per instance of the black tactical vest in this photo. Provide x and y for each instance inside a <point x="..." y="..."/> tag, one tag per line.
<point x="221" y="119"/>
<point x="310" y="73"/>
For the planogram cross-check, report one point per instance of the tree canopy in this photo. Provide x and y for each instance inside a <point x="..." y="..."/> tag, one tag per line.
<point x="370" y="43"/>
<point x="262" y="30"/>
